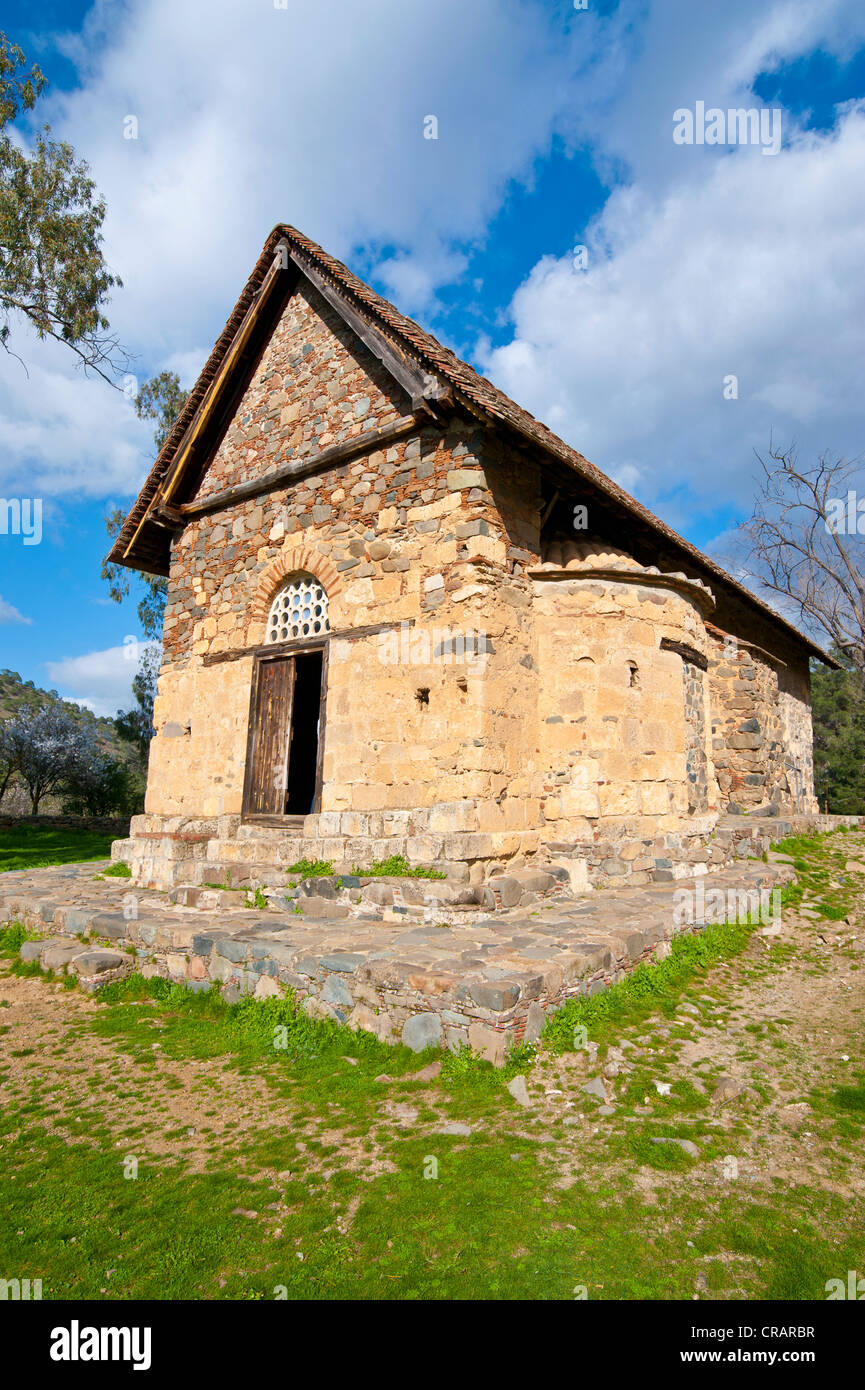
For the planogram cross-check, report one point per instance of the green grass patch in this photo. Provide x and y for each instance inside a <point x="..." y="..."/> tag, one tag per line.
<point x="849" y="1098"/>
<point x="311" y="868"/>
<point x="117" y="870"/>
<point x="819" y="864"/>
<point x="12" y="938"/>
<point x="340" y="1200"/>
<point x="647" y="989"/>
<point x="457" y="1219"/>
<point x="396" y="866"/>
<point x="37" y="847"/>
<point x="251" y="1031"/>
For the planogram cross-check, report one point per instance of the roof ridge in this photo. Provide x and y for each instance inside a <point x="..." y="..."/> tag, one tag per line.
<point x="474" y="391"/>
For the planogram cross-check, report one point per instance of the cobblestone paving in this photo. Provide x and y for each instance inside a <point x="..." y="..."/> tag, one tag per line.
<point x="395" y="973"/>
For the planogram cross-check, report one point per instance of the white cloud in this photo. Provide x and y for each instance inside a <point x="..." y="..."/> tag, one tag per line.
<point x="61" y="431"/>
<point x="249" y="115"/>
<point x="100" y="681"/>
<point x="706" y="263"/>
<point x="188" y="363"/>
<point x="661" y="56"/>
<point x="9" y="613"/>
<point x="709" y="263"/>
<point x="411" y="281"/>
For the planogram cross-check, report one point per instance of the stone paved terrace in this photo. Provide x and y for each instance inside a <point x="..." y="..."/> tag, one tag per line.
<point x="488" y="981"/>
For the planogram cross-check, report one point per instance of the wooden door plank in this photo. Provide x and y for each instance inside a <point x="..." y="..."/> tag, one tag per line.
<point x="268" y="745"/>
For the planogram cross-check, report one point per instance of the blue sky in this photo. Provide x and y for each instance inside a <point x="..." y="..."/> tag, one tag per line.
<point x="554" y="131"/>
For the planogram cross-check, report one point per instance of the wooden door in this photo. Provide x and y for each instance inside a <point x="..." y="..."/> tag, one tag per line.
<point x="269" y="737"/>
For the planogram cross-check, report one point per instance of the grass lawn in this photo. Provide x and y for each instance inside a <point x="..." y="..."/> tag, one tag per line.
<point x="158" y="1144"/>
<point x="36" y="846"/>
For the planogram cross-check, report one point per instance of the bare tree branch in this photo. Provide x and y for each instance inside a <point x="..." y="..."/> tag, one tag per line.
<point x="807" y="539"/>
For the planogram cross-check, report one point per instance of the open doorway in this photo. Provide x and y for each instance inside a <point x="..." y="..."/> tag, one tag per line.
<point x="286" y="728"/>
<point x="303" y="740"/>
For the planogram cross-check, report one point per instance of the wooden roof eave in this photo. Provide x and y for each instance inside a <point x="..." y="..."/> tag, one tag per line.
<point x="571" y="462"/>
<point x="214" y="394"/>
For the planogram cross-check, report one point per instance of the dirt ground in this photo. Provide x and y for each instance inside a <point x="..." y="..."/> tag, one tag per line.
<point x="767" y="1029"/>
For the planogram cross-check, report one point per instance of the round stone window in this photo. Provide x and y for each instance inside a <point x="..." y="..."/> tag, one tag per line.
<point x="298" y="610"/>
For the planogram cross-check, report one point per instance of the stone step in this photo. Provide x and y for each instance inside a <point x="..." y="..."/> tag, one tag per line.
<point x="239" y="874"/>
<point x="274" y="855"/>
<point x="208" y="899"/>
<point x="486" y="980"/>
<point x="94" y="965"/>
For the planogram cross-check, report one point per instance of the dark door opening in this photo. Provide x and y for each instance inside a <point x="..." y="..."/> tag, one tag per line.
<point x="283" y="778"/>
<point x="303" y="740"/>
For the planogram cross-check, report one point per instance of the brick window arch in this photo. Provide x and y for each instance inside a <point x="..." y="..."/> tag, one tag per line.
<point x="299" y="609"/>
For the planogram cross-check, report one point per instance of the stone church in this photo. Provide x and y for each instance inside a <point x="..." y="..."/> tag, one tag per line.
<point x="405" y="618"/>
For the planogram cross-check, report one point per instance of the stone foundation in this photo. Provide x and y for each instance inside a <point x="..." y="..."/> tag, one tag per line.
<point x="488" y="982"/>
<point x="166" y="852"/>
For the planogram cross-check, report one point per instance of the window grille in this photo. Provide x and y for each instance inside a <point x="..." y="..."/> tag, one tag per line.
<point x="299" y="610"/>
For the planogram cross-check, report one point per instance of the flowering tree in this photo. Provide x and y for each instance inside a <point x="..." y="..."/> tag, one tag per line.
<point x="47" y="747"/>
<point x="7" y="759"/>
<point x="102" y="785"/>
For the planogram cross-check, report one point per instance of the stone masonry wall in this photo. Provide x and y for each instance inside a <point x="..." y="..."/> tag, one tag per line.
<point x="613" y="730"/>
<point x="794" y="697"/>
<point x="475" y="716"/>
<point x="431" y="715"/>
<point x="761" y="728"/>
<point x="696" y="752"/>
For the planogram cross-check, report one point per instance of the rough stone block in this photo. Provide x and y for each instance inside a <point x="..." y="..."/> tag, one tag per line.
<point x="58" y="957"/>
<point x="363" y="1017"/>
<point x="489" y="1043"/>
<point x="499" y="996"/>
<point x="32" y="950"/>
<point x="534" y="1022"/>
<point x="110" y="924"/>
<point x="336" y="991"/>
<point x="422" y="1030"/>
<point x="95" y="962"/>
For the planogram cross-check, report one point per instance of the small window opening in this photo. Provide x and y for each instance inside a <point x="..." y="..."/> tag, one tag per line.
<point x="299" y="609"/>
<point x="422" y="695"/>
<point x="635" y="676"/>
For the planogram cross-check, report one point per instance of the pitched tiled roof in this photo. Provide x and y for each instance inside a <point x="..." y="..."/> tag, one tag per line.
<point x="471" y="390"/>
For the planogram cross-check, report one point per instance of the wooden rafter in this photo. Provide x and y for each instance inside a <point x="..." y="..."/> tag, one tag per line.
<point x="214" y="392"/>
<point x="424" y="388"/>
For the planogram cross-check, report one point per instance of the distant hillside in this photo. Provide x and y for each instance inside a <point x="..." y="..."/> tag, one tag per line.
<point x="17" y="695"/>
